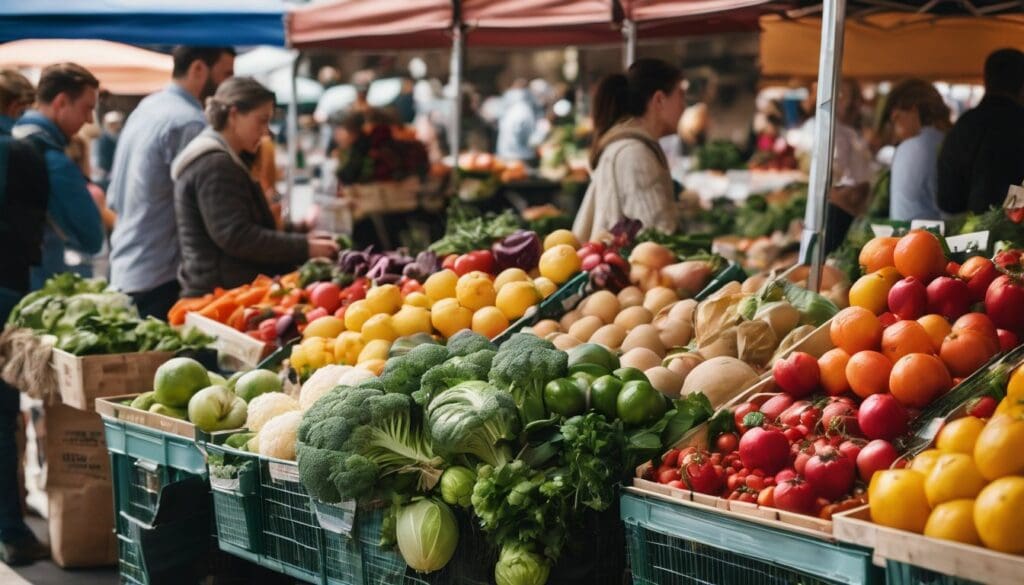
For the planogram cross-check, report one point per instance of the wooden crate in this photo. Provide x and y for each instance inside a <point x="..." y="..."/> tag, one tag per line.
<point x="230" y="341"/>
<point x="384" y="197"/>
<point x="83" y="379"/>
<point x="973" y="563"/>
<point x="115" y="407"/>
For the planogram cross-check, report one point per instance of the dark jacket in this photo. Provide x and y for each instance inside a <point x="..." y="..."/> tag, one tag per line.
<point x="982" y="156"/>
<point x="23" y="199"/>
<point x="225" y="227"/>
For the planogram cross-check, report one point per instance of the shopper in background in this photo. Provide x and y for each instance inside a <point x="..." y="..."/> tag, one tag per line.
<point x="105" y="146"/>
<point x="225" y="226"/>
<point x="919" y="120"/>
<point x="65" y="99"/>
<point x="630" y="174"/>
<point x="517" y="125"/>
<point x="79" y="152"/>
<point x="144" y="256"/>
<point x="23" y="198"/>
<point x="984" y="152"/>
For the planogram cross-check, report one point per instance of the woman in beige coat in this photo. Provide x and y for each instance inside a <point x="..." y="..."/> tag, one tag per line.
<point x="630" y="176"/>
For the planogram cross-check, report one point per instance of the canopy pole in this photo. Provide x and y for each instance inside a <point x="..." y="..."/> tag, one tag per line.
<point x="455" y="127"/>
<point x="812" y="243"/>
<point x="629" y="42"/>
<point x="292" y="130"/>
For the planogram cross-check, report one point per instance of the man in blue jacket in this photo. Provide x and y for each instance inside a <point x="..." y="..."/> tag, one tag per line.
<point x="65" y="99"/>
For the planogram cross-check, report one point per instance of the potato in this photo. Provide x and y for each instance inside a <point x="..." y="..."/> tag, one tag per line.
<point x="665" y="381"/>
<point x="565" y="342"/>
<point x="674" y="333"/>
<point x="602" y="304"/>
<point x="644" y="336"/>
<point x="610" y="336"/>
<point x="542" y="328"/>
<point x="658" y="298"/>
<point x="640" y="358"/>
<point x="569" y="318"/>
<point x="684" y="363"/>
<point x="630" y="296"/>
<point x="683" y="310"/>
<point x="633" y="316"/>
<point x="753" y="284"/>
<point x="585" y="328"/>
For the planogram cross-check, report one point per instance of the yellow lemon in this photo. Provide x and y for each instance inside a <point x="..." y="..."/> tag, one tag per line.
<point x="953" y="520"/>
<point x="379" y="327"/>
<point x="959" y="436"/>
<point x="955" y="476"/>
<point x="475" y="290"/>
<point x="449" y="317"/>
<point x="417" y="299"/>
<point x="559" y="263"/>
<point x="441" y="285"/>
<point x="329" y="326"/>
<point x="515" y="298"/>
<point x="561" y="237"/>
<point x="999" y="515"/>
<point x="545" y="286"/>
<point x="356" y="314"/>
<point x="386" y="298"/>
<point x="510" y="275"/>
<point x="409" y="320"/>
<point x="375" y="350"/>
<point x="489" y="322"/>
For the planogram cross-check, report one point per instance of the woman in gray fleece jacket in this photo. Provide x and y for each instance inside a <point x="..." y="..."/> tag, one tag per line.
<point x="225" y="227"/>
<point x="630" y="175"/>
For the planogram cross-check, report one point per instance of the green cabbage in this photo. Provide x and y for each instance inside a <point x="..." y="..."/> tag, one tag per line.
<point x="518" y="566"/>
<point x="457" y="486"/>
<point x="427" y="535"/>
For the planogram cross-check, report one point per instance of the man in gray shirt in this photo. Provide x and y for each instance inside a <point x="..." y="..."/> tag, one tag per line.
<point x="144" y="253"/>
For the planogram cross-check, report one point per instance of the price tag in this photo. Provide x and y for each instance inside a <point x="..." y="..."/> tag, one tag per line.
<point x="882" y="231"/>
<point x="972" y="242"/>
<point x="925" y="224"/>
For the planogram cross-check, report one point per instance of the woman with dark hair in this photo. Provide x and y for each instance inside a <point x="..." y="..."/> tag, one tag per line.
<point x="225" y="226"/>
<point x="919" y="120"/>
<point x="630" y="175"/>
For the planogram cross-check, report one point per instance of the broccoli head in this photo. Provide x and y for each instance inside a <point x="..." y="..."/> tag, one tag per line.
<point x="523" y="366"/>
<point x="466" y="342"/>
<point x="402" y="373"/>
<point x="473" y="418"/>
<point x="456" y="370"/>
<point x="356" y="442"/>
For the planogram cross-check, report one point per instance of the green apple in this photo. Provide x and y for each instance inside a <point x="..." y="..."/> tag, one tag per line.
<point x="177" y="380"/>
<point x="144" y="401"/>
<point x="217" y="408"/>
<point x="257" y="382"/>
<point x="234" y="378"/>
<point x="168" y="411"/>
<point x="217" y="380"/>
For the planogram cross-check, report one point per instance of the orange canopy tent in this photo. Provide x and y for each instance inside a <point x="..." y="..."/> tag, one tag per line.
<point x="891" y="46"/>
<point x="121" y="69"/>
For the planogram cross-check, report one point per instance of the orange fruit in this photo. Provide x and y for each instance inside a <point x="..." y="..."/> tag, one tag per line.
<point x="919" y="254"/>
<point x="871" y="291"/>
<point x="855" y="329"/>
<point x="868" y="373"/>
<point x="966" y="350"/>
<point x="832" y="366"/>
<point x="877" y="254"/>
<point x="917" y="379"/>
<point x="937" y="327"/>
<point x="905" y="337"/>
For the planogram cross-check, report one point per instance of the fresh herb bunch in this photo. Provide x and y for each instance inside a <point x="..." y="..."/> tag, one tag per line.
<point x="468" y="230"/>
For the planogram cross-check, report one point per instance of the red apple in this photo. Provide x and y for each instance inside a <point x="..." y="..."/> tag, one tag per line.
<point x="1003" y="302"/>
<point x="798" y="375"/>
<point x="952" y="268"/>
<point x="1007" y="339"/>
<point x="908" y="298"/>
<point x="978" y="272"/>
<point x="948" y="297"/>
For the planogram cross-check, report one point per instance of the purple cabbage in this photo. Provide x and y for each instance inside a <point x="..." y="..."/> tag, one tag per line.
<point x="426" y="263"/>
<point x="519" y="250"/>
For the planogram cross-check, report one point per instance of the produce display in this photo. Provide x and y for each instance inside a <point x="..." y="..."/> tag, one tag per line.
<point x="87" y="317"/>
<point x="505" y="434"/>
<point x="908" y="337"/>
<point x="969" y="486"/>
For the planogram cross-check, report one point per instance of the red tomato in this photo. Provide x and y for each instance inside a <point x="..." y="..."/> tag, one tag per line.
<point x="316" y="314"/>
<point x="766" y="497"/>
<point x="727" y="442"/>
<point x="700" y="474"/>
<point x="982" y="407"/>
<point x="267" y="330"/>
<point x="1007" y="340"/>
<point x="449" y="261"/>
<point x="795" y="495"/>
<point x="742" y="411"/>
<point x="978" y="272"/>
<point x="1003" y="301"/>
<point x="667" y="474"/>
<point x="787" y="473"/>
<point x="830" y="473"/>
<point x="797" y="375"/>
<point x="412" y="285"/>
<point x="327" y="296"/>
<point x="792" y="434"/>
<point x="340" y="313"/>
<point x="765" y="450"/>
<point x="480" y="260"/>
<point x="775" y="406"/>
<point x="851" y="448"/>
<point x="840" y="418"/>
<point x="791" y="416"/>
<point x="671" y="458"/>
<point x="882" y="417"/>
<point x="875" y="456"/>
<point x="675" y="483"/>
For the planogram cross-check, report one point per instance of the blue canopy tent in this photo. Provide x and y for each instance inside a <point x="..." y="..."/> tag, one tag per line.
<point x="146" y="22"/>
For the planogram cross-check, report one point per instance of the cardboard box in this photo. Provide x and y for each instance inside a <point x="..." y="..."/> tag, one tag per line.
<point x="227" y="340"/>
<point x="82" y="525"/>
<point x="82" y="379"/>
<point x="76" y="450"/>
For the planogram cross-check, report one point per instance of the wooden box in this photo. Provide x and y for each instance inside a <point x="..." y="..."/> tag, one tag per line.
<point x="228" y="341"/>
<point x="83" y="379"/>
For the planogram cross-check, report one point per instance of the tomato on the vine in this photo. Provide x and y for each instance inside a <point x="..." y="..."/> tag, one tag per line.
<point x="727" y="442"/>
<point x="700" y="474"/>
<point x="795" y="495"/>
<point x="830" y="473"/>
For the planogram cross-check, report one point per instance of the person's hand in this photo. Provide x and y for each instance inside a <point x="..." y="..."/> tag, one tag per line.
<point x="321" y="245"/>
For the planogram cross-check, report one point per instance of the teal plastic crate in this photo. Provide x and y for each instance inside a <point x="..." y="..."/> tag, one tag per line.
<point x="154" y="445"/>
<point x="291" y="539"/>
<point x="342" y="558"/>
<point x="234" y="483"/>
<point x="672" y="544"/>
<point x="897" y="573"/>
